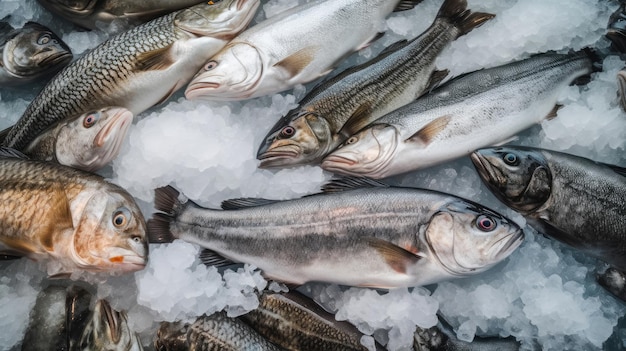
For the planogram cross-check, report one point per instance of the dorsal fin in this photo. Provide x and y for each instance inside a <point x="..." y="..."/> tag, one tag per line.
<point x="245" y="202"/>
<point x="359" y="119"/>
<point x="349" y="183"/>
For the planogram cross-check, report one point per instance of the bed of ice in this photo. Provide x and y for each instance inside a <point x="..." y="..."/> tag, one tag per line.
<point x="544" y="294"/>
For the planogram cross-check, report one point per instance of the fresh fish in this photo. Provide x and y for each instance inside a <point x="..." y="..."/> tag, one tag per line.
<point x="135" y="69"/>
<point x="296" y="323"/>
<point x="108" y="329"/>
<point x="614" y="281"/>
<point x="616" y="28"/>
<point x="94" y="14"/>
<point x="274" y="55"/>
<point x="216" y="332"/>
<point x="30" y="53"/>
<point x="343" y="105"/>
<point x="569" y="198"/>
<point x="621" y="88"/>
<point x="88" y="142"/>
<point x="371" y="236"/>
<point x="479" y="109"/>
<point x="73" y="219"/>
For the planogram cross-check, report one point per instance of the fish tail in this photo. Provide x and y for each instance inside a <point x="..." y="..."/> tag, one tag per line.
<point x="460" y="16"/>
<point x="168" y="202"/>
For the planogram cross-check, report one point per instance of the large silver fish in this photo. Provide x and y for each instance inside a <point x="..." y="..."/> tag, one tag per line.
<point x="30" y="53"/>
<point x="135" y="69"/>
<point x="88" y="142"/>
<point x="343" y="105"/>
<point x="294" y="47"/>
<point x="372" y="236"/>
<point x="479" y="109"/>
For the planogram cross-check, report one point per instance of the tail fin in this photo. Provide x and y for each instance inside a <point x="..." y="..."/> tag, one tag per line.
<point x="465" y="20"/>
<point x="167" y="201"/>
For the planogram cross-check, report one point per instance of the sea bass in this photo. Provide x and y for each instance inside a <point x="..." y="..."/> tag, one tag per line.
<point x="343" y="105"/>
<point x="479" y="109"/>
<point x="30" y="53"/>
<point x="135" y="69"/>
<point x="294" y="47"/>
<point x="357" y="233"/>
<point x="73" y="219"/>
<point x="88" y="142"/>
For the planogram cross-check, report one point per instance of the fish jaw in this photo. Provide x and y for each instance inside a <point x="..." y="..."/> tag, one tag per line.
<point x="222" y="20"/>
<point x="108" y="329"/>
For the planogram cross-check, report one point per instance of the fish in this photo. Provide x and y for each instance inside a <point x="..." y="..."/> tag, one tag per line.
<point x="566" y="197"/>
<point x="295" y="322"/>
<point x="621" y="88"/>
<point x="356" y="232"/>
<point x="70" y="219"/>
<point x="215" y="332"/>
<point x="136" y="69"/>
<point x="478" y="109"/>
<point x="30" y="53"/>
<point x="88" y="142"/>
<point x="100" y="14"/>
<point x="272" y="56"/>
<point x="108" y="329"/>
<point x="341" y="106"/>
<point x="616" y="29"/>
<point x="614" y="281"/>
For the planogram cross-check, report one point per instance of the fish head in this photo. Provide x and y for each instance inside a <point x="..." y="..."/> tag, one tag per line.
<point x="172" y="336"/>
<point x="108" y="329"/>
<point x="293" y="141"/>
<point x="519" y="177"/>
<point x="34" y="50"/>
<point x="110" y="231"/>
<point x="365" y="153"/>
<point x="220" y="19"/>
<point x="95" y="138"/>
<point x="467" y="238"/>
<point x="232" y="74"/>
<point x="72" y="8"/>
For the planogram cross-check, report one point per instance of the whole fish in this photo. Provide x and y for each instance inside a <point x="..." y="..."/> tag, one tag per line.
<point x="295" y="322"/>
<point x="343" y="105"/>
<point x="30" y="53"/>
<point x="73" y="219"/>
<point x="274" y="55"/>
<point x="135" y="69"/>
<point x="88" y="142"/>
<point x="479" y="109"/>
<point x="216" y="332"/>
<point x="356" y="233"/>
<point x="569" y="198"/>
<point x="94" y="14"/>
<point x="107" y="329"/>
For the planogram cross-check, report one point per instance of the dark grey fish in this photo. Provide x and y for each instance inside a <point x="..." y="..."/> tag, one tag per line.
<point x="30" y="53"/>
<point x="339" y="107"/>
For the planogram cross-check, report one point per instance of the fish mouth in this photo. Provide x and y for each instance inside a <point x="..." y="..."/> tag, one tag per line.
<point x="58" y="58"/>
<point x="334" y="160"/>
<point x="194" y="90"/>
<point x="119" y="123"/>
<point x="511" y="242"/>
<point x="488" y="172"/>
<point x="279" y="156"/>
<point x="110" y="318"/>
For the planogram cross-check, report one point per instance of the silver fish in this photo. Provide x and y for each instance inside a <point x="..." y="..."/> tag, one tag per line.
<point x="273" y="55"/>
<point x="479" y="109"/>
<point x="371" y="236"/>
<point x="135" y="69"/>
<point x="30" y="53"/>
<point x="343" y="105"/>
<point x="88" y="142"/>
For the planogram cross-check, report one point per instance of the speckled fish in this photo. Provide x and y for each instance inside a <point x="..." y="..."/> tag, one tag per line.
<point x="294" y="47"/>
<point x="295" y="322"/>
<point x="107" y="329"/>
<point x="94" y="14"/>
<point x="356" y="233"/>
<point x="479" y="109"/>
<point x="88" y="142"/>
<point x="72" y="219"/>
<point x="135" y="69"/>
<point x="343" y="105"/>
<point x="30" y="53"/>
<point x="216" y="332"/>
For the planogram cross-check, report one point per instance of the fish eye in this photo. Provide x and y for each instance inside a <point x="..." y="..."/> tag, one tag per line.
<point x="137" y="239"/>
<point x="44" y="39"/>
<point x="91" y="119"/>
<point x="121" y="217"/>
<point x="485" y="223"/>
<point x="210" y="65"/>
<point x="287" y="132"/>
<point x="510" y="159"/>
<point x="352" y="140"/>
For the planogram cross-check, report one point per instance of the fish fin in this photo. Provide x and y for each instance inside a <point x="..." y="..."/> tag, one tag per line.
<point x="395" y="256"/>
<point x="8" y="152"/>
<point x="62" y="275"/>
<point x="168" y="200"/>
<point x="212" y="258"/>
<point x="425" y="135"/>
<point x="348" y="183"/>
<point x="369" y="42"/>
<point x="435" y="79"/>
<point x="359" y="119"/>
<point x="62" y="215"/>
<point x="406" y="5"/>
<point x="553" y="113"/>
<point x="156" y="60"/>
<point x="506" y="141"/>
<point x="462" y="18"/>
<point x="158" y="228"/>
<point x="245" y="202"/>
<point x="297" y="62"/>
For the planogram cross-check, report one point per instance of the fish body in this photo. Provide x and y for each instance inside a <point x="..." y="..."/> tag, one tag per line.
<point x="135" y="69"/>
<point x="343" y="105"/>
<point x="107" y="329"/>
<point x="569" y="198"/>
<point x="621" y="88"/>
<point x="372" y="237"/>
<point x="30" y="53"/>
<point x="273" y="56"/>
<point x="72" y="219"/>
<point x="479" y="109"/>
<point x="88" y="142"/>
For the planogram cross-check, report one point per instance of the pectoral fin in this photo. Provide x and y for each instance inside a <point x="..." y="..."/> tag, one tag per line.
<point x="60" y="219"/>
<point x="553" y="112"/>
<point x="298" y="61"/>
<point x="397" y="258"/>
<point x="359" y="119"/>
<point x="425" y="135"/>
<point x="435" y="79"/>
<point x="155" y="60"/>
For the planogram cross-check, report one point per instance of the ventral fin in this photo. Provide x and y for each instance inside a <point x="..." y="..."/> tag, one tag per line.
<point x="435" y="79"/>
<point x="425" y="135"/>
<point x="350" y="183"/>
<point x="212" y="258"/>
<point x="359" y="119"/>
<point x="395" y="256"/>
<point x="245" y="202"/>
<point x="298" y="61"/>
<point x="552" y="114"/>
<point x="155" y="60"/>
